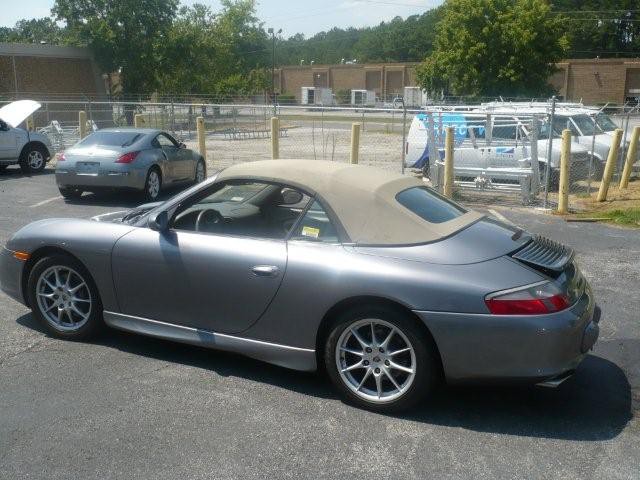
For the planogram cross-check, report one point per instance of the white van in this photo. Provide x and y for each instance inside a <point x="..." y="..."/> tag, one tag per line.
<point x="31" y="150"/>
<point x="500" y="152"/>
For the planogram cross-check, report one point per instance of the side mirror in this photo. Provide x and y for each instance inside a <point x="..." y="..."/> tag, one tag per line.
<point x="159" y="221"/>
<point x="182" y="145"/>
<point x="291" y="197"/>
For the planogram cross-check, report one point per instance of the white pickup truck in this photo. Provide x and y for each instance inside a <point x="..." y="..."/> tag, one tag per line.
<point x="31" y="150"/>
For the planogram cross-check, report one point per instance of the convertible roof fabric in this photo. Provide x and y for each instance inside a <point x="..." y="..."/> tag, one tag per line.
<point x="363" y="198"/>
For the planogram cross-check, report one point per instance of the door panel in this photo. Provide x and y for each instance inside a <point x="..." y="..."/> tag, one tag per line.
<point x="198" y="280"/>
<point x="8" y="144"/>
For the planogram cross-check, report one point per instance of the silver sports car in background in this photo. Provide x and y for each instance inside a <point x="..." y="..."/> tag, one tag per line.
<point x="306" y="264"/>
<point x="140" y="159"/>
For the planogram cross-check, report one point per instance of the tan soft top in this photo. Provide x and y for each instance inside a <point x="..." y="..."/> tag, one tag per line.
<point x="363" y="198"/>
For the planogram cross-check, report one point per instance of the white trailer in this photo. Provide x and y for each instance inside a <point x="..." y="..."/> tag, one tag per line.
<point x="363" y="98"/>
<point x="414" y="97"/>
<point x="317" y="96"/>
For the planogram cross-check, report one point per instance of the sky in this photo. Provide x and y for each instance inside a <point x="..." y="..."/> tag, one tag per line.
<point x="292" y="16"/>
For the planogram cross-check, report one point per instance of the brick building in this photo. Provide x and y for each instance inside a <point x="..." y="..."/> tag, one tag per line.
<point x="38" y="71"/>
<point x="387" y="80"/>
<point x="594" y="81"/>
<point x="598" y="81"/>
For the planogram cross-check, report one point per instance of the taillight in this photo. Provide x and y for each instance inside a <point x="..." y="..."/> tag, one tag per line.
<point x="61" y="157"/>
<point x="536" y="299"/>
<point x="127" y="157"/>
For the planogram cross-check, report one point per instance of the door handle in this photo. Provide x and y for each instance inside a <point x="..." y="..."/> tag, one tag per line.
<point x="265" y="270"/>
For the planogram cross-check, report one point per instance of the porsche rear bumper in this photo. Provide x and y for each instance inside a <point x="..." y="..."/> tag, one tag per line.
<point x="514" y="349"/>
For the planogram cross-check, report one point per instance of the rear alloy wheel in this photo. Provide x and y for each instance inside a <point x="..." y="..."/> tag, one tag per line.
<point x="70" y="193"/>
<point x="378" y="359"/>
<point x="64" y="298"/>
<point x="201" y="172"/>
<point x="152" y="185"/>
<point x="33" y="159"/>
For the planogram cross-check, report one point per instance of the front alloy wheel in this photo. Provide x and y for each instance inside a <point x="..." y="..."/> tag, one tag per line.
<point x="64" y="298"/>
<point x="33" y="160"/>
<point x="152" y="185"/>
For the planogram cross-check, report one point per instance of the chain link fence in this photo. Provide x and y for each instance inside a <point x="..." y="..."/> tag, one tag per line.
<point x="504" y="152"/>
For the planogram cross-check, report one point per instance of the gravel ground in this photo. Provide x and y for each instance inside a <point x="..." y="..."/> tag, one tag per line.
<point x="133" y="407"/>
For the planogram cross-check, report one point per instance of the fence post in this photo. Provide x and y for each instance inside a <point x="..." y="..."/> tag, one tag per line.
<point x="355" y="142"/>
<point x="565" y="155"/>
<point x="275" y="138"/>
<point x="610" y="166"/>
<point x="404" y="133"/>
<point x="202" y="146"/>
<point x="138" y="120"/>
<point x="535" y="162"/>
<point x="82" y="124"/>
<point x="547" y="169"/>
<point x="448" y="163"/>
<point x="631" y="158"/>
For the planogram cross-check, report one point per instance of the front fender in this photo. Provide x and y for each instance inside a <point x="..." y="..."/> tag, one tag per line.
<point x="88" y="241"/>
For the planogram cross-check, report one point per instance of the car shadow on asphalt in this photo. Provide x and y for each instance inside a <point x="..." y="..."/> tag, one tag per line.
<point x="593" y="405"/>
<point x="15" y="173"/>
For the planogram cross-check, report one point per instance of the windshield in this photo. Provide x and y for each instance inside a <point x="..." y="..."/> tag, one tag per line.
<point x="111" y="139"/>
<point x="586" y="124"/>
<point x="605" y="122"/>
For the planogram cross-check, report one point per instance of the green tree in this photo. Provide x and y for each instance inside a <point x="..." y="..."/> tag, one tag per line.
<point x="495" y="47"/>
<point x="214" y="53"/>
<point x="123" y="34"/>
<point x="605" y="28"/>
<point x="36" y="30"/>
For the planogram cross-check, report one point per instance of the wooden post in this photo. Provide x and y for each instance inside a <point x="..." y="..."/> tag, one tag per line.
<point x="275" y="138"/>
<point x="565" y="158"/>
<point x="202" y="146"/>
<point x="82" y="122"/>
<point x="138" y="120"/>
<point x="448" y="163"/>
<point x="355" y="143"/>
<point x="30" y="124"/>
<point x="610" y="166"/>
<point x="631" y="158"/>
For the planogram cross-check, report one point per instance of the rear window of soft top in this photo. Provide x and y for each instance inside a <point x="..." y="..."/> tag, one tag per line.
<point x="429" y="205"/>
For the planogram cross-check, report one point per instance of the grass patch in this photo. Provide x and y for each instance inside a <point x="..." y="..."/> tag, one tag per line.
<point x="629" y="217"/>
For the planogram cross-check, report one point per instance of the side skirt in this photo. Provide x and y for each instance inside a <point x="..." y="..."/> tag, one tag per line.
<point x="283" y="355"/>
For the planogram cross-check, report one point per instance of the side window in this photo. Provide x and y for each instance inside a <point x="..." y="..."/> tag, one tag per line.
<point x="164" y="142"/>
<point x="316" y="226"/>
<point x="504" y="132"/>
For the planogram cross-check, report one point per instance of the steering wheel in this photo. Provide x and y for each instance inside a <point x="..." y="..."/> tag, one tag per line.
<point x="208" y="218"/>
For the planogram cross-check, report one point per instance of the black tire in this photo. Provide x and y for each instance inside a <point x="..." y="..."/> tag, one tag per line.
<point x="86" y="328"/>
<point x="70" y="193"/>
<point x="33" y="158"/>
<point x="427" y="364"/>
<point x="151" y="193"/>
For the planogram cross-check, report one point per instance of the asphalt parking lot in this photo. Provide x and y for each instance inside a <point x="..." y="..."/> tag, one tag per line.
<point x="132" y="407"/>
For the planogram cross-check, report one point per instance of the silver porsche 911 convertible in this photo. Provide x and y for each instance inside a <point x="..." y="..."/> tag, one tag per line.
<point x="306" y="264"/>
<point x="142" y="159"/>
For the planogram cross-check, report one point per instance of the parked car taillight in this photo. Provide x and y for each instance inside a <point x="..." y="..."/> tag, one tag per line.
<point x="535" y="299"/>
<point x="127" y="157"/>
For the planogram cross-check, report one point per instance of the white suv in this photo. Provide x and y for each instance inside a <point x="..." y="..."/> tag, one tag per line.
<point x="31" y="150"/>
